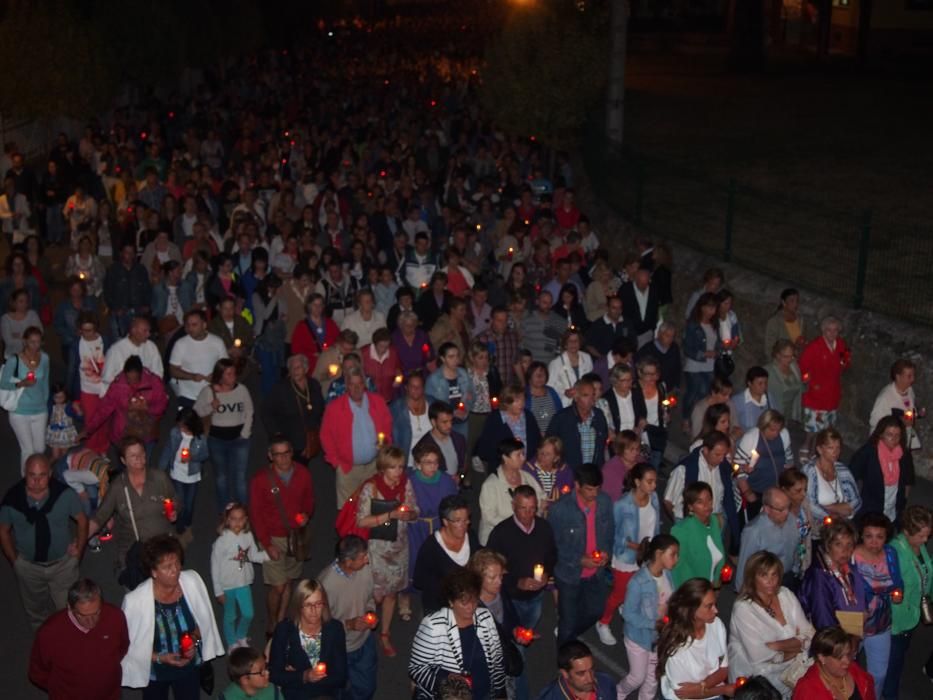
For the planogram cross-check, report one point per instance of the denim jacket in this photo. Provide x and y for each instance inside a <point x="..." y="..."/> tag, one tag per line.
<point x="695" y="341"/>
<point x="198" y="456"/>
<point x="640" y="612"/>
<point x="436" y="385"/>
<point x="625" y="514"/>
<point x="569" y="525"/>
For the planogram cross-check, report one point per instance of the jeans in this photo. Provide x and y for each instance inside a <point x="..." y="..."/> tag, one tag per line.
<point x="237" y="629"/>
<point x="580" y="604"/>
<point x="892" y="681"/>
<point x="528" y="613"/>
<point x="642" y="666"/>
<point x="698" y="384"/>
<point x="185" y="495"/>
<point x="877" y="653"/>
<point x="188" y="687"/>
<point x="362" y="672"/>
<point x="30" y="434"/>
<point x="270" y="364"/>
<point x="230" y="459"/>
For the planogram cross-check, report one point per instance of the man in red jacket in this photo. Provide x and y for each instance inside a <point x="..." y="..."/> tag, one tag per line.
<point x="77" y="651"/>
<point x="281" y="498"/>
<point x="355" y="426"/>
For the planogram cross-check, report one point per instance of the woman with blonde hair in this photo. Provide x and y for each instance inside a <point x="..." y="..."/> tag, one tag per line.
<point x="308" y="654"/>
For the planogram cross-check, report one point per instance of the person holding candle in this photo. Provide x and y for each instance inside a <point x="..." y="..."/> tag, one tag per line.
<point x="451" y="383"/>
<point x="772" y="531"/>
<point x="434" y="300"/>
<point x="412" y="344"/>
<point x="366" y="320"/>
<point x="171" y="625"/>
<point x="350" y="434"/>
<point x="295" y="408"/>
<point x="831" y="585"/>
<point x="637" y="516"/>
<point x="388" y="497"/>
<point x="877" y="564"/>
<point x="136" y="343"/>
<point x="460" y="639"/>
<point x="315" y="332"/>
<point x="410" y="421"/>
<point x="785" y="383"/>
<point x="658" y="407"/>
<point x="487" y="385"/>
<point x="495" y="498"/>
<point x="553" y="475"/>
<point x="702" y="554"/>
<point x="707" y="463"/>
<point x="584" y="532"/>
<point x="193" y="357"/>
<point x="646" y="601"/>
<point x="308" y="654"/>
<point x="381" y="366"/>
<point x="28" y="372"/>
<point x="692" y="653"/>
<point x="822" y="362"/>
<point x="769" y="634"/>
<point x="884" y="468"/>
<point x="232" y="556"/>
<point x="834" y="674"/>
<point x="916" y="567"/>
<point x="510" y="420"/>
<point x="569" y="366"/>
<point x="832" y="491"/>
<point x="898" y="399"/>
<point x="701" y="345"/>
<point x="183" y="457"/>
<point x="794" y="483"/>
<point x="787" y="323"/>
<point x="762" y="454"/>
<point x="235" y="332"/>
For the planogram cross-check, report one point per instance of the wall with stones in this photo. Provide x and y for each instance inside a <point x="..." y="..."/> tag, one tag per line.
<point x="876" y="340"/>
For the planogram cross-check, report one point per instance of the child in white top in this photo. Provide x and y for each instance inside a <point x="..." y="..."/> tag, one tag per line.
<point x="232" y="557"/>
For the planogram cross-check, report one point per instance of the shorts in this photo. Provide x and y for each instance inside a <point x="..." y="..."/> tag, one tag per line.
<point x="277" y="573"/>
<point x="814" y="421"/>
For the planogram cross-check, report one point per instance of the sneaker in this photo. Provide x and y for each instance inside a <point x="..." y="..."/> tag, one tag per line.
<point x="605" y="634"/>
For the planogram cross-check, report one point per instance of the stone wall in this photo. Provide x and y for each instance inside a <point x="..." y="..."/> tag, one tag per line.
<point x="876" y="340"/>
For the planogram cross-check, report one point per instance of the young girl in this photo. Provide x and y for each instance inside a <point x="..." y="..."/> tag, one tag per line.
<point x="183" y="459"/>
<point x="645" y="606"/>
<point x="61" y="433"/>
<point x="231" y="555"/>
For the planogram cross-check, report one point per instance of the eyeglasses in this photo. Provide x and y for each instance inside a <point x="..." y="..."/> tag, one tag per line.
<point x="314" y="606"/>
<point x="281" y="453"/>
<point x="256" y="673"/>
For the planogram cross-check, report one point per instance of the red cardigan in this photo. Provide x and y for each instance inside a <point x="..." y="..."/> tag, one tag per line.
<point x="337" y="429"/>
<point x="825" y="368"/>
<point x="264" y="514"/>
<point x="304" y="342"/>
<point x="811" y="686"/>
<point x="383" y="373"/>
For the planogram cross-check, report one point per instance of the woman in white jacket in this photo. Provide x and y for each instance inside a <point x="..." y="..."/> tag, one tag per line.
<point x="171" y="625"/>
<point x="565" y="369"/>
<point x="458" y="640"/>
<point x="769" y="634"/>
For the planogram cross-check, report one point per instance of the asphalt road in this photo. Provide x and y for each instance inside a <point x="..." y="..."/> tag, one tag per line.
<point x="393" y="680"/>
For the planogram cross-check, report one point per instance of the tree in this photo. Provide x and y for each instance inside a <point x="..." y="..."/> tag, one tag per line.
<point x="547" y="70"/>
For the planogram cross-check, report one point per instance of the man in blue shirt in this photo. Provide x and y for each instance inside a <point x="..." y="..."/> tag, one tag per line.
<point x="772" y="531"/>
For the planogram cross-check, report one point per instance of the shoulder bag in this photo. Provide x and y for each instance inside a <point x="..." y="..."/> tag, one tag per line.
<point x="132" y="574"/>
<point x="9" y="398"/>
<point x="299" y="536"/>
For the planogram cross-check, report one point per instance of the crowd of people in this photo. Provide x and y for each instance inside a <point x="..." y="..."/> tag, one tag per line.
<point x="418" y="302"/>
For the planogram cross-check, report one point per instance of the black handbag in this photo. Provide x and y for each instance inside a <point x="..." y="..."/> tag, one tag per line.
<point x="724" y="365"/>
<point x="133" y="573"/>
<point x="388" y="530"/>
<point x="206" y="677"/>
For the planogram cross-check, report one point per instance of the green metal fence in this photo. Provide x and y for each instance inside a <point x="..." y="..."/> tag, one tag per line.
<point x="851" y="255"/>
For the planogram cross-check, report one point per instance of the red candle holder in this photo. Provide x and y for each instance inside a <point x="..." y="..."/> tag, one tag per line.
<point x="31" y="376"/>
<point x="426" y="349"/>
<point x="494" y="402"/>
<point x="740" y="681"/>
<point x="371" y="618"/>
<point x="897" y="596"/>
<point x="666" y="620"/>
<point x="461" y="406"/>
<point x="828" y="520"/>
<point x="168" y="507"/>
<point x="727" y="573"/>
<point x="806" y="376"/>
<point x="523" y="635"/>
<point x="597" y="556"/>
<point x="187" y="643"/>
<point x="565" y="489"/>
<point x="300" y="519"/>
<point x="321" y="668"/>
<point x="185" y="455"/>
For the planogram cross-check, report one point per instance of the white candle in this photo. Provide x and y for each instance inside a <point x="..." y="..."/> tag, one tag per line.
<point x="754" y="460"/>
<point x="539" y="572"/>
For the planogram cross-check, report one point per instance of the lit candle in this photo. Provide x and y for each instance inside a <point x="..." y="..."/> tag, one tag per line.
<point x="424" y="285"/>
<point x="237" y="343"/>
<point x="726" y="575"/>
<point x="672" y="401"/>
<point x="666" y="403"/>
<point x="494" y="401"/>
<point x="82" y="276"/>
<point x="403" y="508"/>
<point x="511" y="252"/>
<point x="333" y="369"/>
<point x="399" y="378"/>
<point x="381" y="438"/>
<point x="736" y="467"/>
<point x="187" y="642"/>
<point x="565" y="489"/>
<point x="300" y="519"/>
<point x="908" y="414"/>
<point x="321" y="668"/>
<point x="897" y="596"/>
<point x="740" y="681"/>
<point x="754" y="460"/>
<point x="168" y="507"/>
<point x="523" y="635"/>
<point x="370" y="618"/>
<point x="666" y="620"/>
<point x="30" y="376"/>
<point x="461" y="406"/>
<point x="539" y="572"/>
<point x="828" y="520"/>
<point x="806" y="376"/>
<point x="185" y="455"/>
<point x="596" y="556"/>
<point x="479" y="227"/>
<point x="727" y="343"/>
<point x="425" y="349"/>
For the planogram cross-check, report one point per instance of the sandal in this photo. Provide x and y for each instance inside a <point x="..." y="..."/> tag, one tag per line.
<point x="404" y="614"/>
<point x="387" y="647"/>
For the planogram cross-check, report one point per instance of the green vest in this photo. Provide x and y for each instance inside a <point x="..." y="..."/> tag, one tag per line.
<point x="906" y="615"/>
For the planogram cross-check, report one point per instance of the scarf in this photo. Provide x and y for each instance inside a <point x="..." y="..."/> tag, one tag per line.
<point x="391" y="493"/>
<point x="890" y="463"/>
<point x="17" y="499"/>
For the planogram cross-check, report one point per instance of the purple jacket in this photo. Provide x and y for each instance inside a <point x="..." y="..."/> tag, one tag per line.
<point x="821" y="594"/>
<point x="563" y="479"/>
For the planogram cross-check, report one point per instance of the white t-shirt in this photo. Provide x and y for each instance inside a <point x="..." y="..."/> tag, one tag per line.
<point x="179" y="468"/>
<point x="91" y="366"/>
<point x="674" y="491"/>
<point x="197" y="357"/>
<point x="123" y="349"/>
<point x="696" y="660"/>
<point x="420" y="426"/>
<point x="626" y="411"/>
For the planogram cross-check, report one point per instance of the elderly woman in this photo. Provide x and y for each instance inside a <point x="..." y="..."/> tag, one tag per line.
<point x="307" y="637"/>
<point x="510" y="420"/>
<point x="295" y="408"/>
<point x="461" y="640"/>
<point x="226" y="408"/>
<point x="834" y="673"/>
<point x="831" y="488"/>
<point x="27" y="373"/>
<point x="769" y="634"/>
<point x="569" y="366"/>
<point x="447" y="550"/>
<point x="412" y="343"/>
<point x="785" y="384"/>
<point x="876" y="562"/>
<point x="171" y="625"/>
<point x="15" y="321"/>
<point x="386" y="505"/>
<point x="315" y="332"/>
<point x="793" y="482"/>
<point x="786" y="323"/>
<point x="554" y="477"/>
<point x="87" y="267"/>
<point x="831" y="585"/>
<point x="916" y="567"/>
<point x="822" y="363"/>
<point x="495" y="497"/>
<point x="451" y="383"/>
<point x="898" y="399"/>
<point x="133" y="405"/>
<point x="692" y="658"/>
<point x="762" y="454"/>
<point x="541" y="399"/>
<point x="884" y="468"/>
<point x="598" y="292"/>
